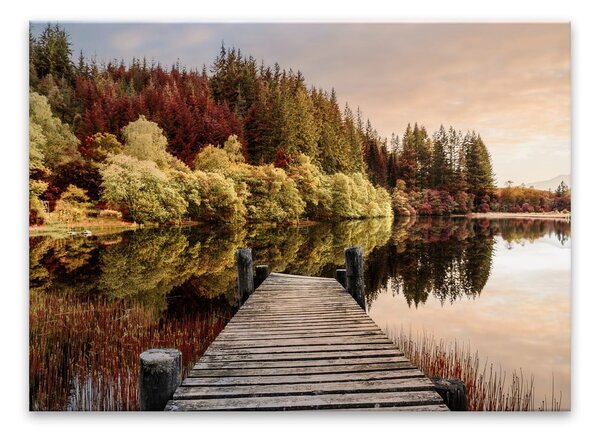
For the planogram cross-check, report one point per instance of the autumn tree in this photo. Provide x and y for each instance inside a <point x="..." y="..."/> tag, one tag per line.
<point x="480" y="177"/>
<point x="53" y="140"/>
<point x="141" y="189"/>
<point x="72" y="205"/>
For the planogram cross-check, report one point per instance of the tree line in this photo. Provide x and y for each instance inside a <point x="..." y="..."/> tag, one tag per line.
<point x="84" y="114"/>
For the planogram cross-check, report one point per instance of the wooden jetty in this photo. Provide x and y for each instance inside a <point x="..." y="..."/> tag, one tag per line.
<point x="303" y="343"/>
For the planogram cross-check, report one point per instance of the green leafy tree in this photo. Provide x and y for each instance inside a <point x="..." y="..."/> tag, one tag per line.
<point x="141" y="189"/>
<point x="145" y="140"/>
<point x="100" y="145"/>
<point x="309" y="181"/>
<point x="53" y="142"/>
<point x="273" y="196"/>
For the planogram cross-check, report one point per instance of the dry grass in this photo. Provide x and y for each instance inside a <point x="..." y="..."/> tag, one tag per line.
<point x="487" y="387"/>
<point x="84" y="354"/>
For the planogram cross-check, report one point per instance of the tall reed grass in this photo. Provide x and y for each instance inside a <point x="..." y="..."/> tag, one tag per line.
<point x="487" y="387"/>
<point x="84" y="353"/>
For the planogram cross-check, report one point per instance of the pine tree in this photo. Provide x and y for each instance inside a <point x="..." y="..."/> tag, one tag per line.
<point x="440" y="161"/>
<point x="480" y="178"/>
<point x="408" y="164"/>
<point x="51" y="53"/>
<point x="423" y="149"/>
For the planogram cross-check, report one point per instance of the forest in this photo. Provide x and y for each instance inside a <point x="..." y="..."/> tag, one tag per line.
<point x="233" y="142"/>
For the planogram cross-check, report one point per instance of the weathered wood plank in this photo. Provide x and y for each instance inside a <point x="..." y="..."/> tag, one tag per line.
<point x="302" y="349"/>
<point x="301" y="356"/>
<point x="334" y="329"/>
<point x="221" y="364"/>
<point x="416" y="384"/>
<point x="352" y="322"/>
<point x="424" y="408"/>
<point x="300" y="370"/>
<point x="240" y="336"/>
<point x="320" y="401"/>
<point x="303" y="343"/>
<point x="346" y="340"/>
<point x="306" y="378"/>
<point x="300" y="318"/>
<point x="300" y="309"/>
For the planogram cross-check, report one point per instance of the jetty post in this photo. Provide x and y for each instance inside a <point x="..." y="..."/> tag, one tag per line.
<point x="355" y="275"/>
<point x="160" y="376"/>
<point x="262" y="272"/>
<point x="454" y="393"/>
<point x="340" y="276"/>
<point x="245" y="273"/>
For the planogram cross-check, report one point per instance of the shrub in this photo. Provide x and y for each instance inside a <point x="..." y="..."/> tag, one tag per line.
<point x="110" y="214"/>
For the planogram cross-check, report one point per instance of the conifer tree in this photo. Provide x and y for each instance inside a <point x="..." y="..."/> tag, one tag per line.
<point x="408" y="165"/>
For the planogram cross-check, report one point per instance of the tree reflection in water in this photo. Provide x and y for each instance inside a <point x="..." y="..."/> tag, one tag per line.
<point x="447" y="258"/>
<point x="155" y="284"/>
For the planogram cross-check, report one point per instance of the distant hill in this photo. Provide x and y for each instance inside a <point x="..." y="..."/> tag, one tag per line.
<point x="550" y="183"/>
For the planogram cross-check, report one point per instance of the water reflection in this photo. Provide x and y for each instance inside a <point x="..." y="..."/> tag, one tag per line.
<point x="96" y="303"/>
<point x="187" y="276"/>
<point x="447" y="258"/>
<point x="505" y="293"/>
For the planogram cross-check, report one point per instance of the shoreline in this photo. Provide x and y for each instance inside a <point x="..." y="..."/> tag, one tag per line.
<point x="98" y="228"/>
<point x="121" y="226"/>
<point x="557" y="215"/>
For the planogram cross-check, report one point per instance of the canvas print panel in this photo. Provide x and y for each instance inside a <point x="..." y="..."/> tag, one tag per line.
<point x="299" y="216"/>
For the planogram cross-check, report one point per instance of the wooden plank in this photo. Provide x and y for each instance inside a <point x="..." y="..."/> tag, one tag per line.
<point x="301" y="356"/>
<point x="300" y="370"/>
<point x="416" y="384"/>
<point x="303" y="343"/>
<point x="307" y="321"/>
<point x="280" y="327"/>
<point x="320" y="401"/>
<point x="307" y="378"/>
<point x="220" y="364"/>
<point x="296" y="325"/>
<point x="301" y="330"/>
<point x="346" y="340"/>
<point x="349" y="322"/>
<point x="302" y="349"/>
<point x="425" y="408"/>
<point x="334" y="316"/>
<point x="241" y="336"/>
<point x="302" y="309"/>
<point x="277" y="275"/>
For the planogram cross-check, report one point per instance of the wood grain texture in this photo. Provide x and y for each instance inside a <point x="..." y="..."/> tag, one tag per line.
<point x="304" y="343"/>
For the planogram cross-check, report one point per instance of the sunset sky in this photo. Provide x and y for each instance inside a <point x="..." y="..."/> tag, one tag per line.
<point x="509" y="82"/>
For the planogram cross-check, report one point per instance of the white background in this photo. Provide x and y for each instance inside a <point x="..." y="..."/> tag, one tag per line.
<point x="13" y="211"/>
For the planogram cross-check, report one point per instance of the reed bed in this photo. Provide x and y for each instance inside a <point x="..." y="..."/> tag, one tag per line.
<point x="84" y="353"/>
<point x="487" y="386"/>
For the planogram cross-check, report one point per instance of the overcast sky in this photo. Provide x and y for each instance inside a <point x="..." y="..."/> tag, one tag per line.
<point x="509" y="82"/>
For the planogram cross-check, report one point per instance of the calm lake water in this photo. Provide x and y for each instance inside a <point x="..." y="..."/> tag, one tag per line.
<point x="502" y="286"/>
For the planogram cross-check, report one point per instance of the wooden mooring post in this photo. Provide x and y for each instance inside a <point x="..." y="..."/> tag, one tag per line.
<point x="355" y="274"/>
<point x="340" y="276"/>
<point x="245" y="273"/>
<point x="262" y="272"/>
<point x="453" y="391"/>
<point x="160" y="375"/>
